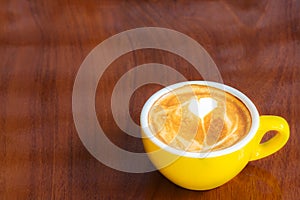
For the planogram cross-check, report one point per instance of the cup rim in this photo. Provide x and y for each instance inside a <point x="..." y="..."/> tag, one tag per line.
<point x="239" y="145"/>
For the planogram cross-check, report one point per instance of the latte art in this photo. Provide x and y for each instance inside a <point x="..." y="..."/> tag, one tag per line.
<point x="198" y="118"/>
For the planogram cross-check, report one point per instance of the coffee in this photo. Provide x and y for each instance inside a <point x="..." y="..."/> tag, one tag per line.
<point x="199" y="118"/>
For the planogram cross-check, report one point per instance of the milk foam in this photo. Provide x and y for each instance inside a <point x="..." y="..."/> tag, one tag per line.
<point x="203" y="106"/>
<point x="199" y="119"/>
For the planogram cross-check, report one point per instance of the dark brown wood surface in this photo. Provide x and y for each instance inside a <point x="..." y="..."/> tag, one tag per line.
<point x="255" y="44"/>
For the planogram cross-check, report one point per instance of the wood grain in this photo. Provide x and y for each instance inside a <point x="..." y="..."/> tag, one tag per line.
<point x="255" y="45"/>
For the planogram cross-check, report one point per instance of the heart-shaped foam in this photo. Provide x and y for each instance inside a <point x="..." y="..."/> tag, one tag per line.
<point x="203" y="106"/>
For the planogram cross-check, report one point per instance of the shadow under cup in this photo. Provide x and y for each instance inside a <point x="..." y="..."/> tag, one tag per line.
<point x="208" y="170"/>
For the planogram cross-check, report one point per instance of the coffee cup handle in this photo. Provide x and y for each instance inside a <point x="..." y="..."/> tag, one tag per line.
<point x="270" y="123"/>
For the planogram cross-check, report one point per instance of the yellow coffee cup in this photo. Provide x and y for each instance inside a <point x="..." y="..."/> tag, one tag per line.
<point x="204" y="171"/>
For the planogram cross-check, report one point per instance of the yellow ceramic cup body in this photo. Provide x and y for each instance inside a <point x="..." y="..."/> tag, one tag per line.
<point x="203" y="171"/>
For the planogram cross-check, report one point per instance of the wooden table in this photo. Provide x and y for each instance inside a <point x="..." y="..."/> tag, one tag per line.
<point x="255" y="45"/>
